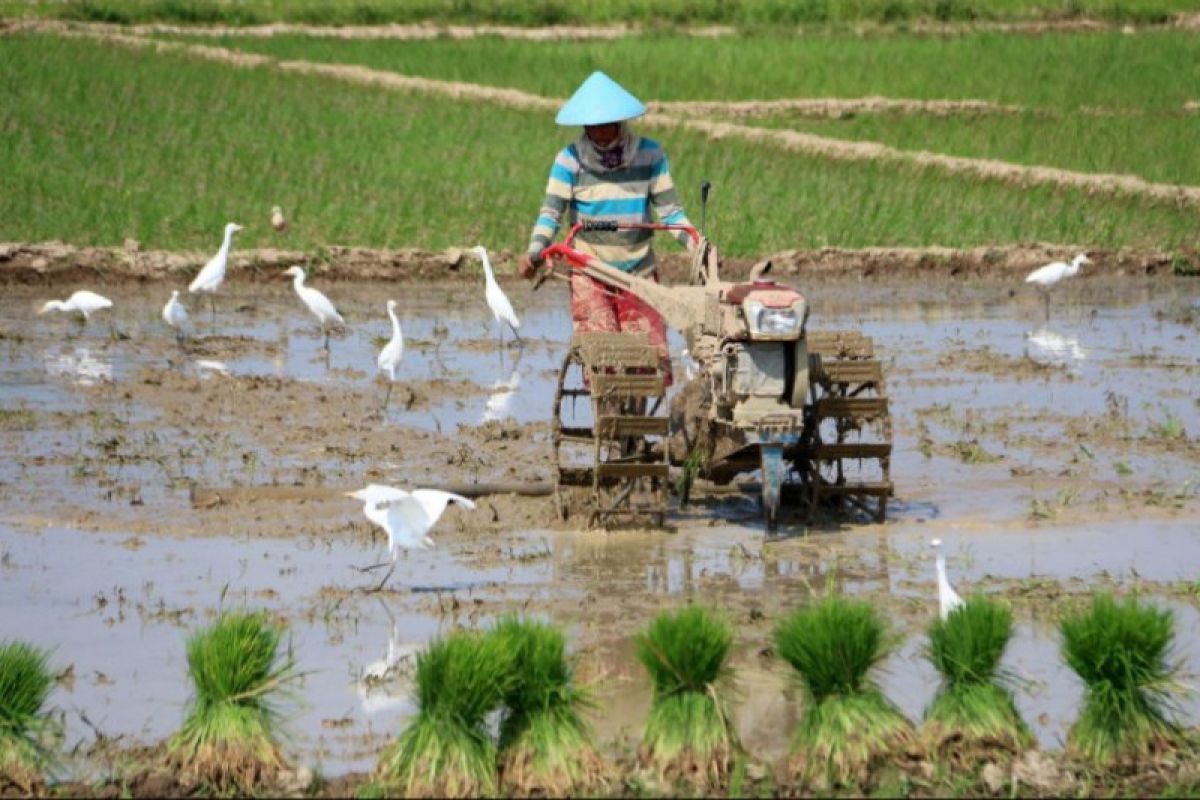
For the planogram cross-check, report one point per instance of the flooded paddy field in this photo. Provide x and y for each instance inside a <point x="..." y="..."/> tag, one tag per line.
<point x="145" y="485"/>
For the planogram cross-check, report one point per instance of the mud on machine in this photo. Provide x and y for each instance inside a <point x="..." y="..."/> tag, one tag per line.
<point x="808" y="409"/>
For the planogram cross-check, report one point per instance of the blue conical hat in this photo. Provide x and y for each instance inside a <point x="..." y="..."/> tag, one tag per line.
<point x="598" y="101"/>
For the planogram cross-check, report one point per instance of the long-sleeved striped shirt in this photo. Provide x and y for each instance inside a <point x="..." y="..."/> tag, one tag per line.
<point x="624" y="194"/>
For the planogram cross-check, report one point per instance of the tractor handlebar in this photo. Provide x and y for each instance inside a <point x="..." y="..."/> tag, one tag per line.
<point x="565" y="251"/>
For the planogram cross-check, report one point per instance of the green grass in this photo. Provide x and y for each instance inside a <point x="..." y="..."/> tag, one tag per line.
<point x="1122" y="650"/>
<point x="1149" y="77"/>
<point x="549" y="12"/>
<point x="445" y="750"/>
<point x="688" y="734"/>
<point x="1063" y="72"/>
<point x="230" y="735"/>
<point x="176" y="147"/>
<point x="973" y="716"/>
<point x="25" y="684"/>
<point x="848" y="725"/>
<point x="545" y="745"/>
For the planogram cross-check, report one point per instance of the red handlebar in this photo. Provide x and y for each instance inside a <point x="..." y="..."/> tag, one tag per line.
<point x="564" y="250"/>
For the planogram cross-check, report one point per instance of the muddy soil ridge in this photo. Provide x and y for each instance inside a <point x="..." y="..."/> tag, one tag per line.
<point x="53" y="263"/>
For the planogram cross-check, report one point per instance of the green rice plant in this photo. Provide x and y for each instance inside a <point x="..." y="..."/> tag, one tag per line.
<point x="230" y="737"/>
<point x="973" y="713"/>
<point x="545" y="744"/>
<point x="688" y="734"/>
<point x="1123" y="653"/>
<point x="25" y="683"/>
<point x="446" y="751"/>
<point x="181" y="145"/>
<point x="848" y="726"/>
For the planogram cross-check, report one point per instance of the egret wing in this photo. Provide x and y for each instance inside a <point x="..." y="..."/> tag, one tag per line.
<point x="409" y="522"/>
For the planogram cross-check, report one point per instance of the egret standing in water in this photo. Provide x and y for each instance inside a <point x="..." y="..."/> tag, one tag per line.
<point x="406" y="517"/>
<point x="497" y="301"/>
<point x="948" y="599"/>
<point x="83" y="302"/>
<point x="212" y="274"/>
<point x="176" y="316"/>
<point x="1044" y="278"/>
<point x="392" y="352"/>
<point x="317" y="303"/>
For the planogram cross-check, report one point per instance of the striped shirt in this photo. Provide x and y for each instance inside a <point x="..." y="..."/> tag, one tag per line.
<point x="625" y="194"/>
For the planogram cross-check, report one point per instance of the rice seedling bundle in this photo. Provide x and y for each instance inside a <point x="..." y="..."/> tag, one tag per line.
<point x="446" y="751"/>
<point x="1122" y="651"/>
<point x="973" y="714"/>
<point x="229" y="738"/>
<point x="688" y="734"/>
<point x="545" y="745"/>
<point x="848" y="725"/>
<point x="25" y="683"/>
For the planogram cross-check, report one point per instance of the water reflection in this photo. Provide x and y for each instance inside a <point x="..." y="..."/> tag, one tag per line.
<point x="386" y="683"/>
<point x="80" y="365"/>
<point x="503" y="392"/>
<point x="1044" y="344"/>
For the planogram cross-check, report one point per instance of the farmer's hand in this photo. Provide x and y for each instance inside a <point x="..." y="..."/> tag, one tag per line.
<point x="529" y="266"/>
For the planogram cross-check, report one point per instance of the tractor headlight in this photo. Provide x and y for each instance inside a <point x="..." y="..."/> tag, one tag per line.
<point x="773" y="323"/>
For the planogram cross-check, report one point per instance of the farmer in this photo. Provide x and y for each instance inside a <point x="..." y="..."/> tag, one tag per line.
<point x="609" y="173"/>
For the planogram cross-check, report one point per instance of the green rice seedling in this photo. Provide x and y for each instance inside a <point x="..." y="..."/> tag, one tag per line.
<point x="230" y="738"/>
<point x="848" y="726"/>
<point x="446" y="751"/>
<point x="688" y="734"/>
<point x="545" y="745"/>
<point x="1122" y="651"/>
<point x="973" y="715"/>
<point x="25" y="682"/>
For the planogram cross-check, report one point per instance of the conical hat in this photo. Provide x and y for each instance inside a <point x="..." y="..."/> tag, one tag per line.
<point x="598" y="101"/>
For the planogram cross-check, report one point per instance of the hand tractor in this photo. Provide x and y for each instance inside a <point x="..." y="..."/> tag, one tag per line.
<point x="806" y="409"/>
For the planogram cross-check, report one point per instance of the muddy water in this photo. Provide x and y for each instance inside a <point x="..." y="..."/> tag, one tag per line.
<point x="1051" y="456"/>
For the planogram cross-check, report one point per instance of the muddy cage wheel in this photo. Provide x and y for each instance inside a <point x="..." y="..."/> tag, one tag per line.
<point x="845" y="453"/>
<point x="612" y="455"/>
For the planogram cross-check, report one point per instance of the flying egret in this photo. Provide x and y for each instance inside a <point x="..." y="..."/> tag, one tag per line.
<point x="948" y="599"/>
<point x="212" y="274"/>
<point x="497" y="301"/>
<point x="317" y="303"/>
<point x="277" y="220"/>
<point x="392" y="352"/>
<point x="176" y="316"/>
<point x="406" y="517"/>
<point x="83" y="301"/>
<point x="1044" y="278"/>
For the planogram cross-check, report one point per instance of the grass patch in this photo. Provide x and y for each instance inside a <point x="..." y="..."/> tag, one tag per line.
<point x="178" y="147"/>
<point x="446" y="751"/>
<point x="556" y="12"/>
<point x="848" y="727"/>
<point x="688" y="735"/>
<point x="1122" y="650"/>
<point x="545" y="745"/>
<point x="25" y="683"/>
<point x="973" y="718"/>
<point x="230" y="737"/>
<point x="16" y="419"/>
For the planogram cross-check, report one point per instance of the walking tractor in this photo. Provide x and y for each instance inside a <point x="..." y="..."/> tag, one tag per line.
<point x="806" y="409"/>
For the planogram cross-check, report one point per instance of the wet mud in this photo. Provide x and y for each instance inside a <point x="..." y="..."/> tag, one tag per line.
<point x="145" y="485"/>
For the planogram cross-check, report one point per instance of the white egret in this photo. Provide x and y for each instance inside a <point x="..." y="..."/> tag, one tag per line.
<point x="406" y="517"/>
<point x="1044" y="278"/>
<point x="277" y="220"/>
<point x="212" y="274"/>
<point x="392" y="352"/>
<point x="176" y="316"/>
<point x="317" y="303"/>
<point x="948" y="599"/>
<point x="497" y="301"/>
<point x="83" y="301"/>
